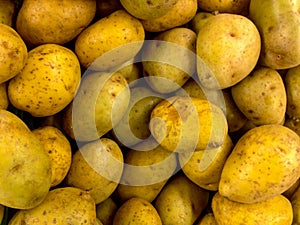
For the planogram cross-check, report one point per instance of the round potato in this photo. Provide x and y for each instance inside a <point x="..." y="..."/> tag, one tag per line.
<point x="265" y="162"/>
<point x="13" y="53"/>
<point x="48" y="81"/>
<point x="116" y="30"/>
<point x="224" y="43"/>
<point x="261" y="96"/>
<point x="59" y="149"/>
<point x="66" y="205"/>
<point x="181" y="13"/>
<point x="41" y="22"/>
<point x="97" y="168"/>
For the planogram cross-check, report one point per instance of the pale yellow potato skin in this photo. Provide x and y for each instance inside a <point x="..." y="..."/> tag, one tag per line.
<point x="59" y="149"/>
<point x="261" y="96"/>
<point x="276" y="210"/>
<point x="224" y="43"/>
<point x="106" y="34"/>
<point x="58" y="22"/>
<point x="48" y="81"/>
<point x="25" y="176"/>
<point x="3" y="96"/>
<point x="181" y="201"/>
<point x="95" y="172"/>
<point x="181" y="13"/>
<point x="13" y="53"/>
<point x="136" y="211"/>
<point x="204" y="167"/>
<point x="292" y="88"/>
<point x="7" y="12"/>
<point x="264" y="162"/>
<point x="226" y="6"/>
<point x="105" y="211"/>
<point x="65" y="205"/>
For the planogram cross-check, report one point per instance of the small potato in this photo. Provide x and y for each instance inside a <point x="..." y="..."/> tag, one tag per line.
<point x="108" y="33"/>
<point x="59" y="149"/>
<point x="204" y="167"/>
<point x="276" y="210"/>
<point x="265" y="162"/>
<point x="181" y="13"/>
<point x="97" y="168"/>
<point x="181" y="201"/>
<point x="168" y="77"/>
<point x="136" y="211"/>
<point x="199" y="20"/>
<point x="208" y="219"/>
<point x="226" y="6"/>
<point x="293" y="124"/>
<point x="292" y="86"/>
<point x="105" y="211"/>
<point x="48" y="81"/>
<point x="3" y="96"/>
<point x="7" y="12"/>
<point x="66" y="205"/>
<point x="13" y="53"/>
<point x="153" y="166"/>
<point x="261" y="96"/>
<point x="42" y="22"/>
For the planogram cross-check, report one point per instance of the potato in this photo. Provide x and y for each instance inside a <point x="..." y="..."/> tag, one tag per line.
<point x="261" y="96"/>
<point x="184" y="124"/>
<point x="181" y="13"/>
<point x="264" y="162"/>
<point x="204" y="167"/>
<point x="199" y="20"/>
<point x="106" y="7"/>
<point x="59" y="149"/>
<point x="228" y="6"/>
<point x="99" y="105"/>
<point x="181" y="201"/>
<point x="3" y="96"/>
<point x="105" y="211"/>
<point x="65" y="205"/>
<point x="293" y="124"/>
<point x="208" y="219"/>
<point x="225" y="42"/>
<point x="25" y="175"/>
<point x="136" y="211"/>
<point x="97" y="168"/>
<point x="276" y="210"/>
<point x="13" y="53"/>
<point x="48" y="81"/>
<point x="166" y="72"/>
<point x="119" y="29"/>
<point x="131" y="71"/>
<point x="56" y="22"/>
<point x="147" y="168"/>
<point x="148" y="9"/>
<point x="295" y="201"/>
<point x="7" y="12"/>
<point x="292" y="88"/>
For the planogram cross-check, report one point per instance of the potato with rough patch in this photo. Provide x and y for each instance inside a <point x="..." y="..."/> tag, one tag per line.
<point x="59" y="149"/>
<point x="136" y="211"/>
<point x="265" y="162"/>
<point x="48" y="81"/>
<point x="65" y="205"/>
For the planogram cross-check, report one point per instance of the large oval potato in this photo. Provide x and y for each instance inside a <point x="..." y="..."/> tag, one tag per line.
<point x="48" y="81"/>
<point x="55" y="21"/>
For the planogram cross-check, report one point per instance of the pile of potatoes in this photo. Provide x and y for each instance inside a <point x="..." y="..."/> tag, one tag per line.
<point x="161" y="112"/>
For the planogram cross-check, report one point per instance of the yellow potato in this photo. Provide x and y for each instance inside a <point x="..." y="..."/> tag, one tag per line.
<point x="7" y="12"/>
<point x="292" y="88"/>
<point x="181" y="201"/>
<point x="131" y="71"/>
<point x="136" y="211"/>
<point x="265" y="162"/>
<point x="261" y="96"/>
<point x="276" y="210"/>
<point x="105" y="211"/>
<point x="97" y="168"/>
<point x="25" y="175"/>
<point x="181" y="13"/>
<point x="59" y="149"/>
<point x="183" y="124"/>
<point x="106" y="34"/>
<point x="13" y="53"/>
<point x="48" y="81"/>
<point x="199" y="20"/>
<point x="208" y="219"/>
<point x="152" y="170"/>
<point x="229" y="6"/>
<point x="3" y="96"/>
<point x="56" y="22"/>
<point x="66" y="205"/>
<point x="204" y="167"/>
<point x="225" y="42"/>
